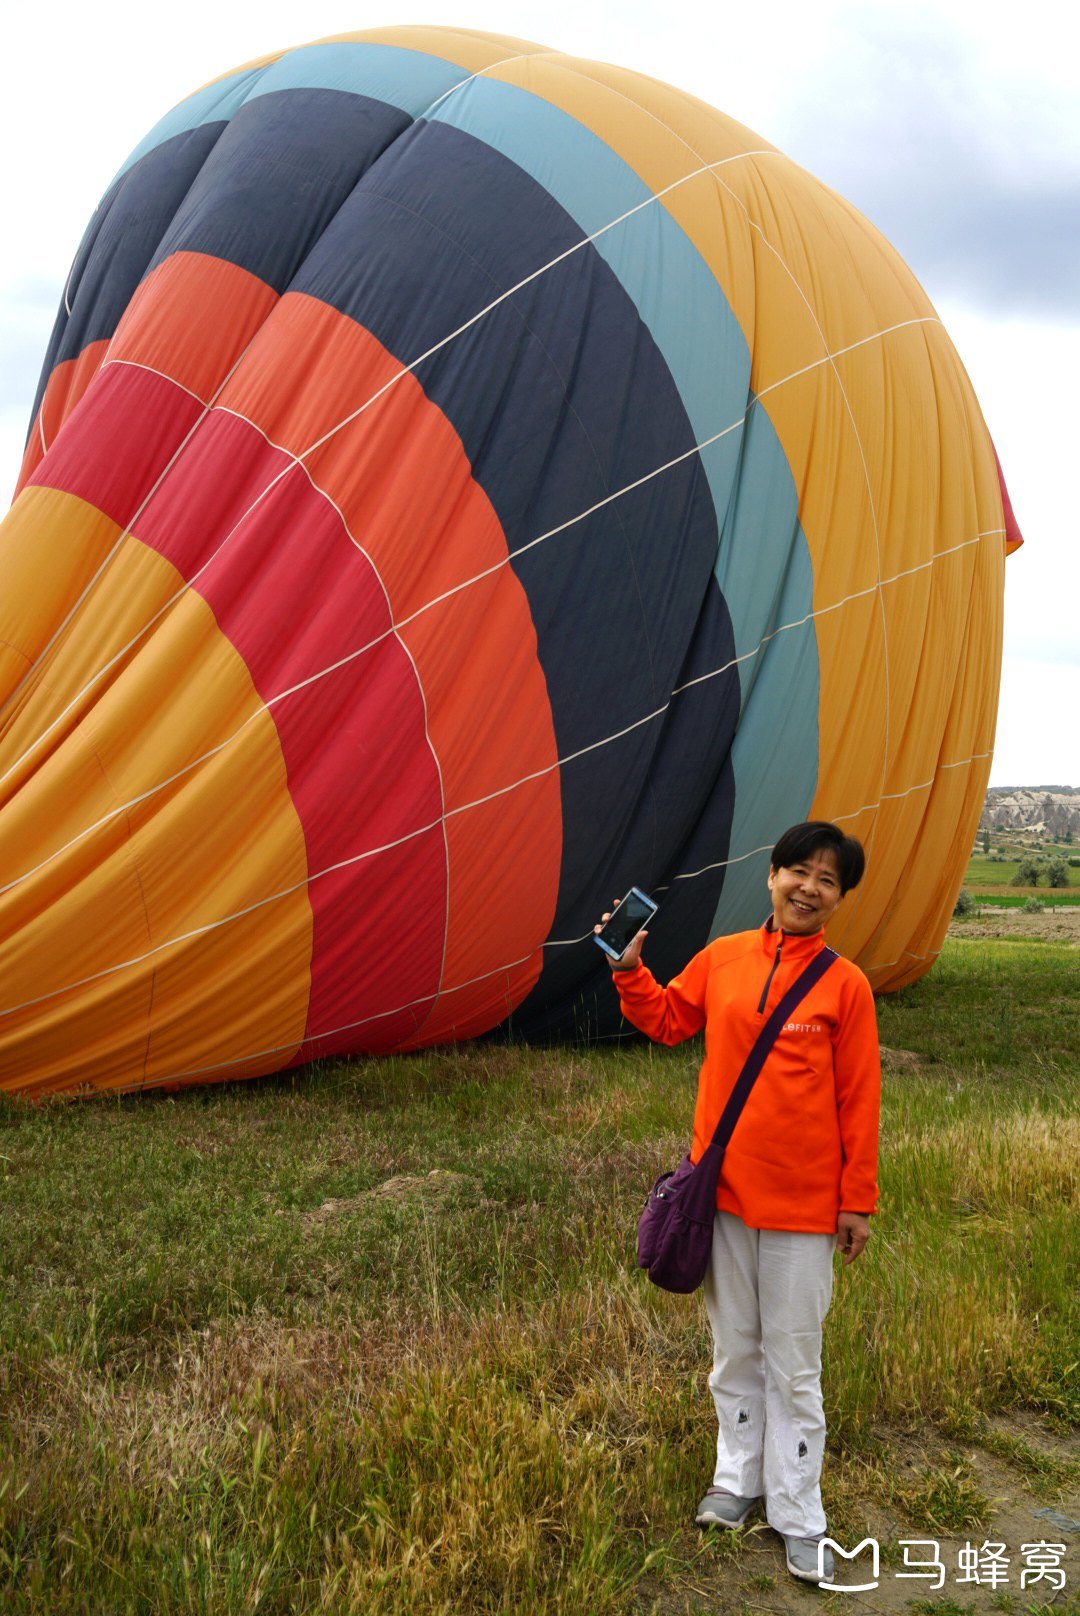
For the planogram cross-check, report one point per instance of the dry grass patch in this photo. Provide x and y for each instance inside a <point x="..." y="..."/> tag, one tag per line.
<point x="500" y="1463"/>
<point x="1026" y="1160"/>
<point x="370" y="1337"/>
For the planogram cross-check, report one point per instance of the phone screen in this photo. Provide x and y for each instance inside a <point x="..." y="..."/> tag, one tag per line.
<point x="634" y="912"/>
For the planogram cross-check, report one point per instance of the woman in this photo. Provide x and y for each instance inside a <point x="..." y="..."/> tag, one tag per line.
<point x="798" y="1178"/>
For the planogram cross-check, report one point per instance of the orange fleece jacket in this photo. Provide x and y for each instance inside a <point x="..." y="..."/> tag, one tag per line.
<point x="805" y="1146"/>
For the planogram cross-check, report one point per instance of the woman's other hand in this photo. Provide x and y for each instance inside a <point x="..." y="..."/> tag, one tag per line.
<point x="852" y="1233"/>
<point x="632" y="954"/>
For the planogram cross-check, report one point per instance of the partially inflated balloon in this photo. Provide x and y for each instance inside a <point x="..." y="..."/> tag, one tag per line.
<point x="465" y="481"/>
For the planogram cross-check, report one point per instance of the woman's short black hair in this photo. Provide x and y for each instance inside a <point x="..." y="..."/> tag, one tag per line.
<point x="797" y="844"/>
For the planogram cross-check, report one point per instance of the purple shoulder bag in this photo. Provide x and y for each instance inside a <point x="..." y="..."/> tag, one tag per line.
<point x="674" y="1237"/>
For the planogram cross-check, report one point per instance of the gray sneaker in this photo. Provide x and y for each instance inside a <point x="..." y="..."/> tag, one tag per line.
<point x="807" y="1560"/>
<point x="720" y="1508"/>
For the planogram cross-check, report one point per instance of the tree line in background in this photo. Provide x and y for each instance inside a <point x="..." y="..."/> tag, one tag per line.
<point x="1032" y="870"/>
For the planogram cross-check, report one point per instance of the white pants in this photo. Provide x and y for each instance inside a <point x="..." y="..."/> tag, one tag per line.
<point x="767" y="1293"/>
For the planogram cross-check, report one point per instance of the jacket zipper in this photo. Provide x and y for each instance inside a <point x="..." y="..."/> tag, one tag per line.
<point x="768" y="979"/>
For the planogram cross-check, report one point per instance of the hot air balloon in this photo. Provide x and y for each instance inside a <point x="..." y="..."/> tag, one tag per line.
<point x="464" y="481"/>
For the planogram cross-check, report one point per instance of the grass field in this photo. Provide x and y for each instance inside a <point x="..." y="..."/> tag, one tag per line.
<point x="1006" y="898"/>
<point x="368" y="1338"/>
<point x="989" y="881"/>
<point x="986" y="872"/>
<point x="1016" y="897"/>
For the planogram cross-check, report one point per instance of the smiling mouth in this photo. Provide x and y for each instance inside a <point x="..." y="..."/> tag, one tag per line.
<point x="803" y="908"/>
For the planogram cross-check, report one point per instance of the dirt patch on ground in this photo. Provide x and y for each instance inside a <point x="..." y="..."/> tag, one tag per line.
<point x="435" y="1186"/>
<point x="1020" y="1511"/>
<point x="1053" y="925"/>
<point x="901" y="1060"/>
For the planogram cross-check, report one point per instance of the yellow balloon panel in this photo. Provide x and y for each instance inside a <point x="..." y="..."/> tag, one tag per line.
<point x="152" y="853"/>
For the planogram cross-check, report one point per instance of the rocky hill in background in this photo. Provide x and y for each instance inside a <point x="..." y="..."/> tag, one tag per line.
<point x="1044" y="810"/>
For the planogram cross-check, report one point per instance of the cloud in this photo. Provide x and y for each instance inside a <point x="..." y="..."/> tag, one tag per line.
<point x="972" y="171"/>
<point x="1029" y="750"/>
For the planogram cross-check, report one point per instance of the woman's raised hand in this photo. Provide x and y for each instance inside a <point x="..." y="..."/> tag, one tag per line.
<point x="631" y="956"/>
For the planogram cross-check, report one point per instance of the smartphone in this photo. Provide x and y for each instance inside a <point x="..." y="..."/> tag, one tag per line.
<point x="634" y="912"/>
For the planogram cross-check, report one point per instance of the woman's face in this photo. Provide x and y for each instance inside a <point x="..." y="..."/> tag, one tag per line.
<point x="804" y="895"/>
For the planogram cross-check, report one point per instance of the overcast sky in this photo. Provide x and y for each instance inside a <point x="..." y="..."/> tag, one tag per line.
<point x="955" y="127"/>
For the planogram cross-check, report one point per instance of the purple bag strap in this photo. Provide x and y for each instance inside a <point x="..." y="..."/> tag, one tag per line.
<point x="766" y="1038"/>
